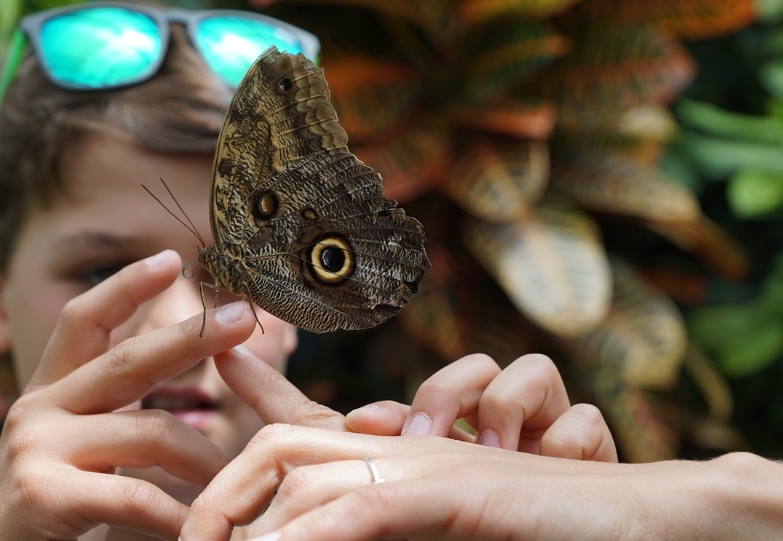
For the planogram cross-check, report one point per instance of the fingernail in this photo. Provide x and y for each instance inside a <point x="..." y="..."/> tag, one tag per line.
<point x="242" y="351"/>
<point x="158" y="259"/>
<point x="274" y="536"/>
<point x="418" y="425"/>
<point x="231" y="313"/>
<point x="369" y="408"/>
<point x="490" y="439"/>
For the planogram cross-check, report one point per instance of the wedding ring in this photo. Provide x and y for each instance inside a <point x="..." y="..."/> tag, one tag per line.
<point x="373" y="471"/>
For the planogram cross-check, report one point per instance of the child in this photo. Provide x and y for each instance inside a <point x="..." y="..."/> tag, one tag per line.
<point x="103" y="329"/>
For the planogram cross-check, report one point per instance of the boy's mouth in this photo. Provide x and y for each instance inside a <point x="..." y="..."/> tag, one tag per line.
<point x="190" y="405"/>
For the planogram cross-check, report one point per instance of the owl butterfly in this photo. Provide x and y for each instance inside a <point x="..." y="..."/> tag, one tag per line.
<point x="301" y="226"/>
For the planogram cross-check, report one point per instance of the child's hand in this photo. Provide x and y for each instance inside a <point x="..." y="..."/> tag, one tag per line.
<point x="63" y="438"/>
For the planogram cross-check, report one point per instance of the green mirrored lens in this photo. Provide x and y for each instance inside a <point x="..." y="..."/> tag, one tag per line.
<point x="231" y="44"/>
<point x="100" y="47"/>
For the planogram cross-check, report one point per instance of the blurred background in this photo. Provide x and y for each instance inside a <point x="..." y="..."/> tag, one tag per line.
<point x="600" y="181"/>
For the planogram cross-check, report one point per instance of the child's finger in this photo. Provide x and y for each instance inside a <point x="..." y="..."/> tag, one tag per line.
<point x="128" y="371"/>
<point x="386" y="418"/>
<point x="270" y="394"/>
<point x="83" y="329"/>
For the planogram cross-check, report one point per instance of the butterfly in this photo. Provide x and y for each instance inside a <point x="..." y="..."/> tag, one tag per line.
<point x="301" y="226"/>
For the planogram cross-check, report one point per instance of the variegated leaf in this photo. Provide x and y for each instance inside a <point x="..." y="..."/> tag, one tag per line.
<point x="371" y="95"/>
<point x="497" y="57"/>
<point x="707" y="241"/>
<point x="510" y="115"/>
<point x="613" y="69"/>
<point x="552" y="265"/>
<point x="411" y="159"/>
<point x="690" y="19"/>
<point x="616" y="184"/>
<point x="498" y="178"/>
<point x="472" y="12"/>
<point x="644" y="335"/>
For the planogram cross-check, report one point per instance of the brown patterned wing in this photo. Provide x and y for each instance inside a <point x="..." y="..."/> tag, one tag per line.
<point x="301" y="226"/>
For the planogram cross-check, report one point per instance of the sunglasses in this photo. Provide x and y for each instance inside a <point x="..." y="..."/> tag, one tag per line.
<point x="99" y="46"/>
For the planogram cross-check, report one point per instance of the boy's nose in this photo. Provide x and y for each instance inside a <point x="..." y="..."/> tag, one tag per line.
<point x="177" y="303"/>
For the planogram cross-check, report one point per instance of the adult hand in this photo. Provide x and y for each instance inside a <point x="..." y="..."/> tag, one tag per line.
<point x="438" y="488"/>
<point x="63" y="438"/>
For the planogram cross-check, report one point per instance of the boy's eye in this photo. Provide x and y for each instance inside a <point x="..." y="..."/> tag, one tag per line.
<point x="94" y="276"/>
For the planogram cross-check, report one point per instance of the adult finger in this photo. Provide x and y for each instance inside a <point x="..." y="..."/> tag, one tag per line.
<point x="83" y="329"/>
<point x="386" y="418"/>
<point x="270" y="394"/>
<point x="580" y="433"/>
<point x="450" y="394"/>
<point x="241" y="491"/>
<point x="128" y="371"/>
<point x="519" y="405"/>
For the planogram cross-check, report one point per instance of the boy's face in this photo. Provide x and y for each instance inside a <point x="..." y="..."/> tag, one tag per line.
<point x="103" y="222"/>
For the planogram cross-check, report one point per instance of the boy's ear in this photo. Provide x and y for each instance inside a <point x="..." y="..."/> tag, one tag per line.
<point x="5" y="328"/>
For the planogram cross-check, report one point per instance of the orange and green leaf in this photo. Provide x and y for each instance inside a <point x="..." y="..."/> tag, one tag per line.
<point x="552" y="266"/>
<point x="498" y="178"/>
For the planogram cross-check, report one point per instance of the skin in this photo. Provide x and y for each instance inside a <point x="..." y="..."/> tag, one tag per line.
<point x="104" y="331"/>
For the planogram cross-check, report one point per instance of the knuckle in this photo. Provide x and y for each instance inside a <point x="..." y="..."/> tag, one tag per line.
<point x="156" y="425"/>
<point x="138" y="498"/>
<point x="589" y="413"/>
<point x="72" y="311"/>
<point x="119" y="359"/>
<point x="298" y="482"/>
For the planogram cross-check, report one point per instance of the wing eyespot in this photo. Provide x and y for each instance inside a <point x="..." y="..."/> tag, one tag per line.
<point x="266" y="207"/>
<point x="331" y="259"/>
<point x="285" y="84"/>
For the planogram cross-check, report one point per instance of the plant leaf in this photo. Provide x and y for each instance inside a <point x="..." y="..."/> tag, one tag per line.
<point x="644" y="334"/>
<point x="616" y="184"/>
<point x="612" y="69"/>
<point x="370" y="95"/>
<point x="510" y="115"/>
<point x="754" y="192"/>
<point x="411" y="159"/>
<point x="472" y="12"/>
<point x="497" y="57"/>
<point x="706" y="240"/>
<point x="498" y="178"/>
<point x="690" y="19"/>
<point x="552" y="266"/>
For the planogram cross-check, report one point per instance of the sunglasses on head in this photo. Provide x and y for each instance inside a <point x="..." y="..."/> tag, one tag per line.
<point x="99" y="46"/>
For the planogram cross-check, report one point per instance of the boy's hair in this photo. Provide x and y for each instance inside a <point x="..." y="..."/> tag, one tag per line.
<point x="179" y="110"/>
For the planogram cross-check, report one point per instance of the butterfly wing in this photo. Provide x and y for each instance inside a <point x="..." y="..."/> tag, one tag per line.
<point x="300" y="224"/>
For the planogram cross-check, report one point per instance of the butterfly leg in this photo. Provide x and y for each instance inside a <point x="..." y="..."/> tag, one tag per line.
<point x="216" y="289"/>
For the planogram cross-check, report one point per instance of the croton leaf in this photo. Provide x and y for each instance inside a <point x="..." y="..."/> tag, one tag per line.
<point x="460" y="310"/>
<point x="497" y="57"/>
<point x="509" y="115"/>
<point x="644" y="335"/>
<point x="616" y="184"/>
<point x="411" y="159"/>
<point x="369" y="94"/>
<point x="498" y="178"/>
<point x="614" y="68"/>
<point x="430" y="14"/>
<point x="690" y="19"/>
<point x="552" y="266"/>
<point x="708" y="241"/>
<point x="472" y="12"/>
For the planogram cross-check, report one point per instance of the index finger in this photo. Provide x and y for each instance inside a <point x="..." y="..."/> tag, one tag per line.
<point x="270" y="394"/>
<point x="85" y="324"/>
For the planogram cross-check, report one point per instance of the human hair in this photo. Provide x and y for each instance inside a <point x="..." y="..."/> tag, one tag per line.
<point x="179" y="110"/>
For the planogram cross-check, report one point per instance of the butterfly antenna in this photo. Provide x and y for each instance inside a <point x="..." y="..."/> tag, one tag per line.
<point x="191" y="227"/>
